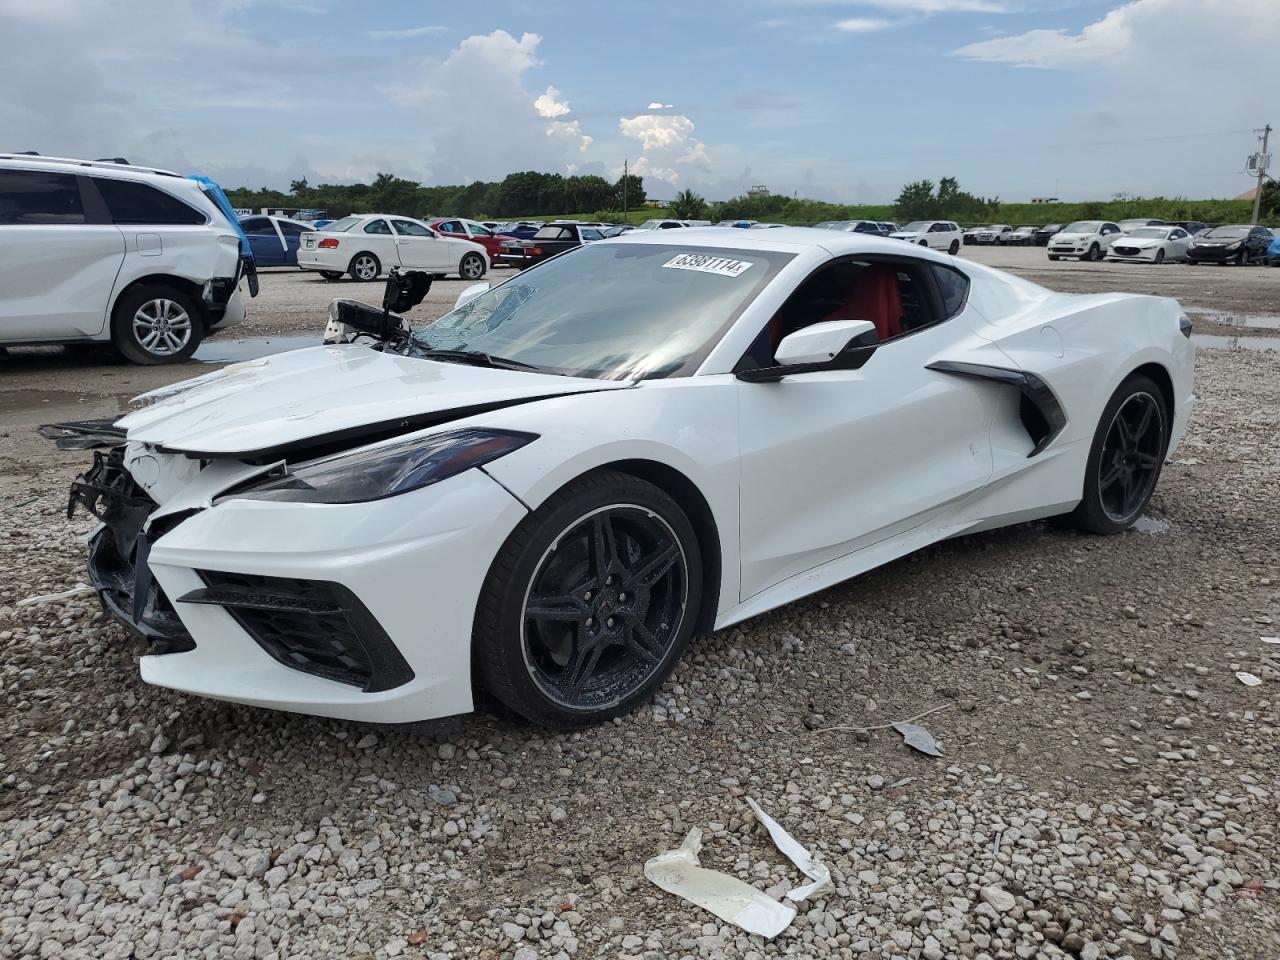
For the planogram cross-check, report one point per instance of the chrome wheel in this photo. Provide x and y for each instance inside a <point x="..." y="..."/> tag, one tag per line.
<point x="1131" y="455"/>
<point x="162" y="327"/>
<point x="365" y="267"/>
<point x="472" y="267"/>
<point x="604" y="607"/>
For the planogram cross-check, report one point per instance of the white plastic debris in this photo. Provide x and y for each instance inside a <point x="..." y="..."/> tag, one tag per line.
<point x="678" y="872"/>
<point x="918" y="738"/>
<point x="65" y="594"/>
<point x="1270" y="639"/>
<point x="797" y="854"/>
<point x="1248" y="679"/>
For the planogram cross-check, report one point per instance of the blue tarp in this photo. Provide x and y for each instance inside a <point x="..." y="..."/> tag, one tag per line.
<point x="217" y="196"/>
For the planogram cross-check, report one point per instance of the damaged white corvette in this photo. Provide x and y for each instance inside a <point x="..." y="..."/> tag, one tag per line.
<point x="545" y="493"/>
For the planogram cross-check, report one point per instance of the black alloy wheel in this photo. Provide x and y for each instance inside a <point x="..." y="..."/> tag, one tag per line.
<point x="1126" y="457"/>
<point x="590" y="603"/>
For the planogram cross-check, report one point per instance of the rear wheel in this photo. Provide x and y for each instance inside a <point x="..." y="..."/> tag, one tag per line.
<point x="364" y="266"/>
<point x="471" y="267"/>
<point x="590" y="603"/>
<point x="331" y="274"/>
<point x="1126" y="457"/>
<point x="155" y="324"/>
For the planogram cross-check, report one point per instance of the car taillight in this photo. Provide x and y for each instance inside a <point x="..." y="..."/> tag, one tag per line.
<point x="537" y="251"/>
<point x="327" y="242"/>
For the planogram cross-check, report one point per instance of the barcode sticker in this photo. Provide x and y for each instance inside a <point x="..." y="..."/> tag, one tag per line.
<point x="705" y="263"/>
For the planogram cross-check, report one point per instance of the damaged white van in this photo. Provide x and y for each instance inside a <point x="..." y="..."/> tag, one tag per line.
<point x="102" y="251"/>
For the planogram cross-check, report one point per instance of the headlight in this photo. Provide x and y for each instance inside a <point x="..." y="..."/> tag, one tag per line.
<point x="1233" y="246"/>
<point x="385" y="471"/>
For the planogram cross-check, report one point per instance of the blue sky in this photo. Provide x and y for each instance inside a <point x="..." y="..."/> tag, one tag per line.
<point x="835" y="99"/>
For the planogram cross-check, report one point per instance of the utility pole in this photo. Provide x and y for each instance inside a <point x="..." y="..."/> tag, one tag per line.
<point x="624" y="191"/>
<point x="1260" y="171"/>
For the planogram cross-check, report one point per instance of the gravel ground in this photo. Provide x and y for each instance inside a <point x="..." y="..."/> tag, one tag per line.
<point x="1110" y="788"/>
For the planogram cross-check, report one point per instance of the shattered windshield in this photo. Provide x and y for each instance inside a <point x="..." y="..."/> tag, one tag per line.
<point x="610" y="310"/>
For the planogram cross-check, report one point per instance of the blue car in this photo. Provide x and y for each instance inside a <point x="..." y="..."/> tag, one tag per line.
<point x="274" y="240"/>
<point x="1273" y="251"/>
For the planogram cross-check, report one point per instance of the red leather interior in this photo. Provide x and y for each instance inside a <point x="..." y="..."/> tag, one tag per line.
<point x="875" y="297"/>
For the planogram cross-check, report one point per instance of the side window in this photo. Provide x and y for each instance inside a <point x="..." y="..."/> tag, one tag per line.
<point x="32" y="197"/>
<point x="476" y="230"/>
<point x="589" y="234"/>
<point x="258" y="227"/>
<point x="452" y="226"/>
<point x="953" y="287"/>
<point x="291" y="229"/>
<point x="410" y="229"/>
<point x="142" y="204"/>
<point x="377" y="226"/>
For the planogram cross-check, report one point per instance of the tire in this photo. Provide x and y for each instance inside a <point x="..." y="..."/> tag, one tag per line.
<point x="954" y="248"/>
<point x="332" y="274"/>
<point x="154" y="323"/>
<point x="364" y="266"/>
<point x="1160" y="256"/>
<point x="472" y="266"/>
<point x="924" y="243"/>
<point x="1242" y="258"/>
<point x="1053" y="257"/>
<point x="1136" y="450"/>
<point x="1093" y="255"/>
<point x="527" y="663"/>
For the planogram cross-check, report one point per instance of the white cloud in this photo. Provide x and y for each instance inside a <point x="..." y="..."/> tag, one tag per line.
<point x="550" y="105"/>
<point x="863" y="24"/>
<point x="655" y="105"/>
<point x="667" y="144"/>
<point x="406" y="33"/>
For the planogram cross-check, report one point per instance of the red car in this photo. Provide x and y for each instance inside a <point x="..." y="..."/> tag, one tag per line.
<point x="470" y="230"/>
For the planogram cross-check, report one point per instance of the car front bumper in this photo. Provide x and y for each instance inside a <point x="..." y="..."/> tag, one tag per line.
<point x="1212" y="254"/>
<point x="357" y="611"/>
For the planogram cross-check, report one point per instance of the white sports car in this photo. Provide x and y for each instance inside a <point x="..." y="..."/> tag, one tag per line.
<point x="545" y="493"/>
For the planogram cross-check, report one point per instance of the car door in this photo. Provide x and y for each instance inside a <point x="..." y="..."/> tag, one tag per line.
<point x="377" y="237"/>
<point x="57" y="264"/>
<point x="419" y="247"/>
<point x="264" y="241"/>
<point x="1108" y="234"/>
<point x="1177" y="244"/>
<point x="835" y="461"/>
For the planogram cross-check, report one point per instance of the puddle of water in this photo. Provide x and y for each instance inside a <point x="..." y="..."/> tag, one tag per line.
<point x="1212" y="342"/>
<point x="1258" y="321"/>
<point x="1153" y="526"/>
<point x="53" y="406"/>
<point x="250" y="348"/>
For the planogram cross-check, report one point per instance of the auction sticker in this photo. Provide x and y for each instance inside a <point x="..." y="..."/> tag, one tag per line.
<point x="705" y="263"/>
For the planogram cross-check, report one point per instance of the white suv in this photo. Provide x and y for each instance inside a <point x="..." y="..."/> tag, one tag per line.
<point x="937" y="234"/>
<point x="103" y="251"/>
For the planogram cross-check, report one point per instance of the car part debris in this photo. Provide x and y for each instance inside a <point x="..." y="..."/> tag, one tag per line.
<point x="892" y="725"/>
<point x="918" y="738"/>
<point x="64" y="595"/>
<point x="797" y="854"/>
<point x="1248" y="679"/>
<point x="1270" y="639"/>
<point x="678" y="872"/>
<point x="83" y="434"/>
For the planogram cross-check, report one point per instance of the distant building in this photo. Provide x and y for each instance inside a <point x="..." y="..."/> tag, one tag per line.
<point x="759" y="190"/>
<point x="1044" y="199"/>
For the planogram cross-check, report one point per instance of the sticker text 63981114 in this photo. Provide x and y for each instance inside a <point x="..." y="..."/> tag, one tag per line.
<point x="705" y="263"/>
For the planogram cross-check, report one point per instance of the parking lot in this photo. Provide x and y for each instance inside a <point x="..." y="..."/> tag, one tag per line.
<point x="1110" y="788"/>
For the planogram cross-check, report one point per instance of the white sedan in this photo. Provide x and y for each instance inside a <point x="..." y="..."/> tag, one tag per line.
<point x="368" y="245"/>
<point x="547" y="492"/>
<point x="936" y="234"/>
<point x="1150" y="245"/>
<point x="1084" y="240"/>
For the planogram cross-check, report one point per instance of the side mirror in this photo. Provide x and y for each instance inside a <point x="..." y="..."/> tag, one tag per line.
<point x="470" y="293"/>
<point x="822" y="342"/>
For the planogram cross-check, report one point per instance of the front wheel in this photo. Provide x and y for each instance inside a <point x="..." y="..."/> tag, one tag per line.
<point x="590" y="602"/>
<point x="1124" y="462"/>
<point x="155" y="324"/>
<point x="471" y="267"/>
<point x="924" y="243"/>
<point x="1052" y="257"/>
<point x="954" y="248"/>
<point x="1242" y="258"/>
<point x="1160" y="256"/>
<point x="1094" y="254"/>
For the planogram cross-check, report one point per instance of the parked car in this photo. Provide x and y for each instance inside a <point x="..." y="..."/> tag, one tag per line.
<point x="521" y="229"/>
<point x="103" y="252"/>
<point x="1273" y="249"/>
<point x="462" y="229"/>
<point x="662" y="224"/>
<point x="274" y="240"/>
<point x="1128" y="226"/>
<point x="1084" y="240"/>
<point x="367" y="245"/>
<point x="740" y="224"/>
<point x="1021" y="237"/>
<point x="937" y="234"/>
<point x="991" y="234"/>
<point x="888" y="227"/>
<point x="1151" y="245"/>
<point x="1046" y="232"/>
<point x="617" y="230"/>
<point x="1192" y="227"/>
<point x="1238" y="243"/>
<point x="766" y="226"/>
<point x="547" y="492"/>
<point x="552" y="239"/>
<point x="853" y="226"/>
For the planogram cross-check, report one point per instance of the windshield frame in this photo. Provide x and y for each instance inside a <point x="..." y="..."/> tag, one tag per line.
<point x="774" y="261"/>
<point x="1082" y="226"/>
<point x="1213" y="234"/>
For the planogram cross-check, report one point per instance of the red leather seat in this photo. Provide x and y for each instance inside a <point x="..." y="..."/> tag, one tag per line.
<point x="877" y="297"/>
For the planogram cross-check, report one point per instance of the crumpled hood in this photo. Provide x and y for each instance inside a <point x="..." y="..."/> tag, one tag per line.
<point x="262" y="405"/>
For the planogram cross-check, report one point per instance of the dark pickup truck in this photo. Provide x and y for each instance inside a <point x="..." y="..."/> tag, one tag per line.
<point x="551" y="239"/>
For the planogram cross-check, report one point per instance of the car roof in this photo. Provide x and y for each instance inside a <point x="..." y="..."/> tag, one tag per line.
<point x="60" y="164"/>
<point x="780" y="239"/>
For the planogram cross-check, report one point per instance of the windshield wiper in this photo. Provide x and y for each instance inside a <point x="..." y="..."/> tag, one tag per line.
<point x="476" y="358"/>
